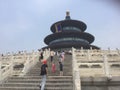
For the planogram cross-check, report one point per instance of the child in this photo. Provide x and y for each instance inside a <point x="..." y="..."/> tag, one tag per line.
<point x="53" y="68"/>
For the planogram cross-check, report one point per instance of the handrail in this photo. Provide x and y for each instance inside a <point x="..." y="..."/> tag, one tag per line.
<point x="91" y="62"/>
<point x="27" y="59"/>
<point x="105" y="59"/>
<point x="29" y="63"/>
<point x="32" y="60"/>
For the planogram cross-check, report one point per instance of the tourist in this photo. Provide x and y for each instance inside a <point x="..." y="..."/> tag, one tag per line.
<point x="53" y="67"/>
<point x="60" y="57"/>
<point x="44" y="69"/>
<point x="63" y="55"/>
<point x="51" y="55"/>
<point x="41" y="56"/>
<point x="61" y="68"/>
<point x="61" y="64"/>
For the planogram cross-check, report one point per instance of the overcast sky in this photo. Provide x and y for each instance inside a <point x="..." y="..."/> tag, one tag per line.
<point x="25" y="23"/>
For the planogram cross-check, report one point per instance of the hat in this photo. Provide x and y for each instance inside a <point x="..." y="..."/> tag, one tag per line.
<point x="44" y="61"/>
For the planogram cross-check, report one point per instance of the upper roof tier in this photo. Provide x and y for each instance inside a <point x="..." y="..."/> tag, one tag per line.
<point x="68" y="22"/>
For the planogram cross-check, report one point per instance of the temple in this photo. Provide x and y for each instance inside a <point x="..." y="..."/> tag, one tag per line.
<point x="69" y="33"/>
<point x="87" y="67"/>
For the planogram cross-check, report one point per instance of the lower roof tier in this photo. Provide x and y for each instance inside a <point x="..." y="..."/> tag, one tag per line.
<point x="56" y="36"/>
<point x="70" y="45"/>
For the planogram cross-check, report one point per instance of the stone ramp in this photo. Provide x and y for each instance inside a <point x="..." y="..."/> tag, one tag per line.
<point x="32" y="79"/>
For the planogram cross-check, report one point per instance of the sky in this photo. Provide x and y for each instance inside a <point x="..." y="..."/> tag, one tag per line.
<point x="25" y="23"/>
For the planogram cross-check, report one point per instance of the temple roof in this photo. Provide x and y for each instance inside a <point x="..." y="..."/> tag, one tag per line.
<point x="81" y="35"/>
<point x="75" y="23"/>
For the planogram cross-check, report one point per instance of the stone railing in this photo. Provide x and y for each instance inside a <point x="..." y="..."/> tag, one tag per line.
<point x="32" y="60"/>
<point x="6" y="69"/>
<point x="76" y="73"/>
<point x="98" y="62"/>
<point x="9" y="62"/>
<point x="5" y="72"/>
<point x="94" y="63"/>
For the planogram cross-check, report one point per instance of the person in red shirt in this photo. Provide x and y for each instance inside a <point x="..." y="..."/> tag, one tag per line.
<point x="53" y="67"/>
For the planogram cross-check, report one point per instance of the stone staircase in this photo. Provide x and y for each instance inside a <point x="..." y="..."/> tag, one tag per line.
<point x="32" y="79"/>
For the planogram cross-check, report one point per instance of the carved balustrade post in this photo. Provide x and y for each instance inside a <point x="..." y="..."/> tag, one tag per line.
<point x="76" y="74"/>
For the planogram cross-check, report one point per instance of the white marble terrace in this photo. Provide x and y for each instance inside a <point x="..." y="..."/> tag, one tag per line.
<point x="85" y="63"/>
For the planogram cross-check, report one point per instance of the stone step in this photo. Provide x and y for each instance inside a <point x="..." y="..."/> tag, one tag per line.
<point x="56" y="74"/>
<point x="38" y="80"/>
<point x="36" y="88"/>
<point x="67" y="67"/>
<point x="32" y="79"/>
<point x="38" y="77"/>
<point x="49" y="67"/>
<point x="50" y="72"/>
<point x="36" y="84"/>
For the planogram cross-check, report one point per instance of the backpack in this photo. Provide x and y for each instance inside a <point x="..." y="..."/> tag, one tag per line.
<point x="43" y="69"/>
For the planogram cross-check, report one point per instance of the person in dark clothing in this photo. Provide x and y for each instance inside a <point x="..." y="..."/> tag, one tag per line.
<point x="51" y="55"/>
<point x="61" y="68"/>
<point x="41" y="56"/>
<point x="43" y="73"/>
<point x="61" y="64"/>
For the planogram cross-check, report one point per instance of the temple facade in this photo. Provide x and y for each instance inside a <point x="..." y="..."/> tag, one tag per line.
<point x="69" y="33"/>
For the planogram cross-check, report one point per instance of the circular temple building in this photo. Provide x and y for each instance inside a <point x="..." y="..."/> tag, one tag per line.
<point x="69" y="33"/>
